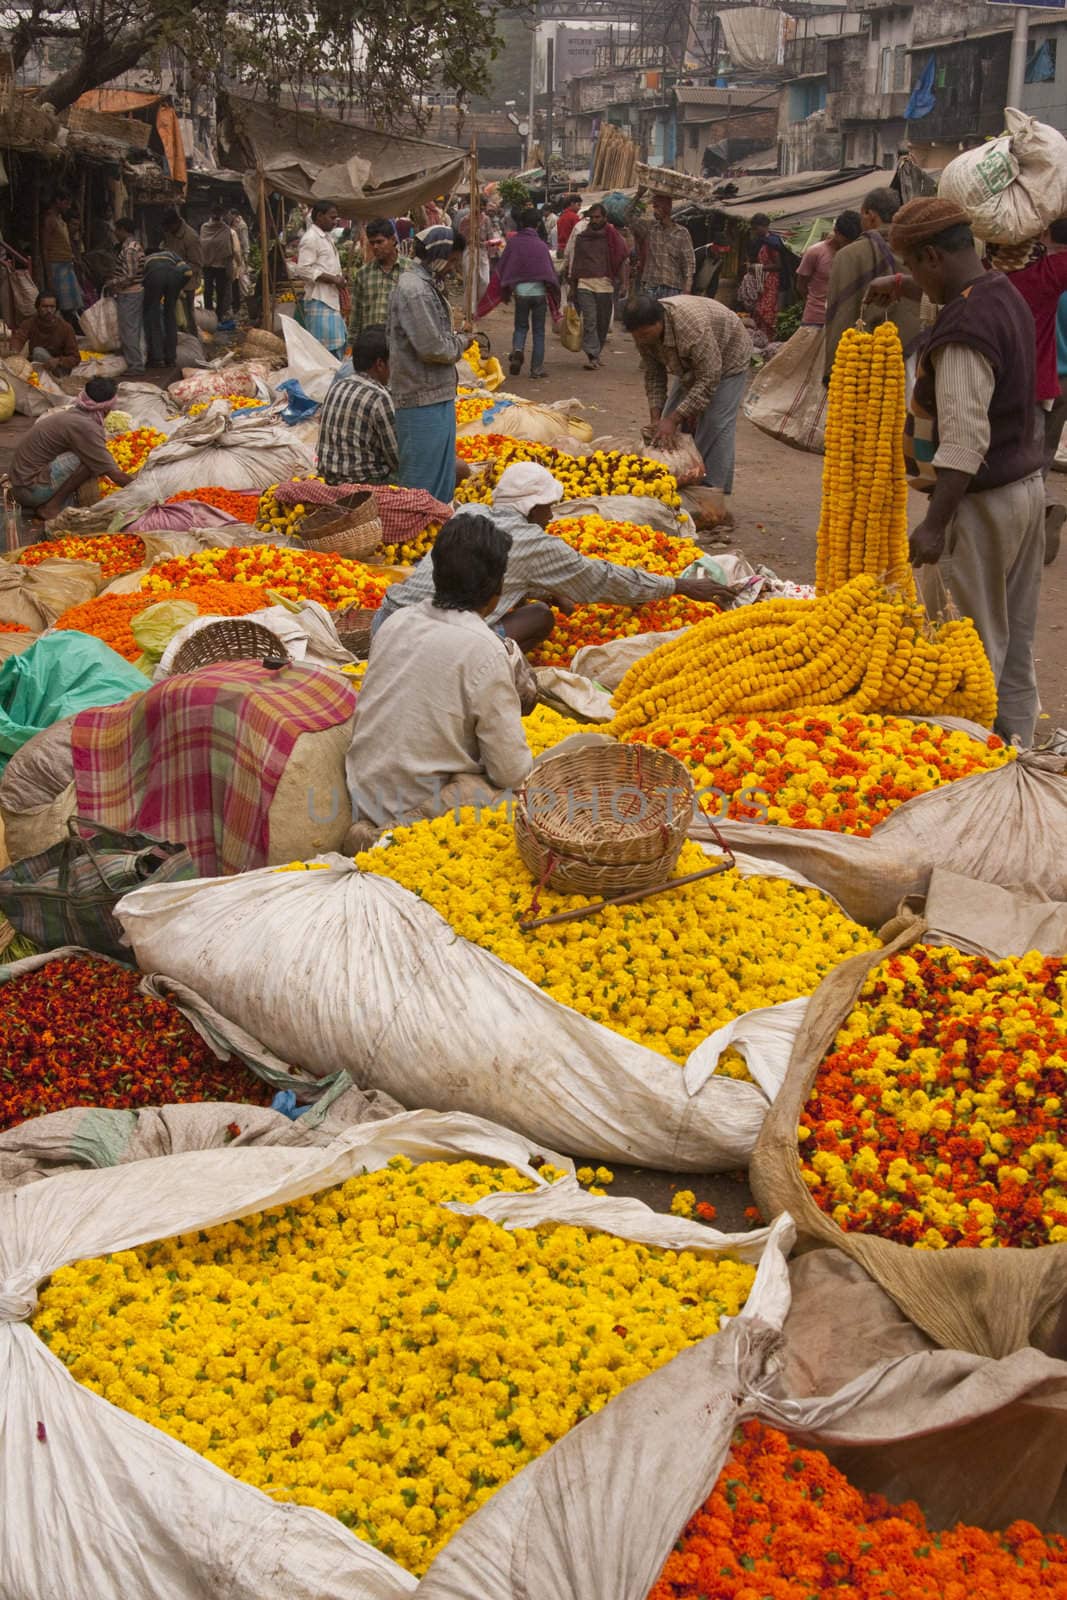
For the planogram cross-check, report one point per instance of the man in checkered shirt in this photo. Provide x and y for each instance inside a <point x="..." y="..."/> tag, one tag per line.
<point x="357" y="426"/>
<point x="665" y="256"/>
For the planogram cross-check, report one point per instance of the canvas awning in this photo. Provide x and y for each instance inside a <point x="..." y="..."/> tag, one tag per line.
<point x="122" y="101"/>
<point x="306" y="157"/>
<point x="799" y="198"/>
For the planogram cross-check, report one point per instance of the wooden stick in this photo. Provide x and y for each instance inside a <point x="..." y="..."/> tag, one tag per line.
<point x="264" y="250"/>
<point x="628" y="899"/>
<point x="474" y="229"/>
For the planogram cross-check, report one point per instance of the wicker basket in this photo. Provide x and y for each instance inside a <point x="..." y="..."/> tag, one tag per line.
<point x="351" y="527"/>
<point x="604" y="821"/>
<point x="354" y="630"/>
<point x="228" y="639"/>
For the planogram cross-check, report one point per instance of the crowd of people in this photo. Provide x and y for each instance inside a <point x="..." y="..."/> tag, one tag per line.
<point x="986" y="381"/>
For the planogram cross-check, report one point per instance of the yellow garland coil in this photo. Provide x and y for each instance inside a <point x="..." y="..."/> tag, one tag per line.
<point x="863" y="527"/>
<point x="859" y="648"/>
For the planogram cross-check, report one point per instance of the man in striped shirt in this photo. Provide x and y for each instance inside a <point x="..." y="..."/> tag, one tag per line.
<point x="357" y="427"/>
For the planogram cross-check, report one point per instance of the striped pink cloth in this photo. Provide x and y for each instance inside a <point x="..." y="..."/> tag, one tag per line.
<point x="197" y="759"/>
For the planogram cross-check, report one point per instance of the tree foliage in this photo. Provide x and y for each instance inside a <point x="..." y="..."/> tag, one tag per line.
<point x="382" y="55"/>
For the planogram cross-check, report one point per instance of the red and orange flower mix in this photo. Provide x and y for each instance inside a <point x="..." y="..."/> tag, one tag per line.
<point x="78" y="1032"/>
<point x="841" y="772"/>
<point x="783" y="1524"/>
<point x="936" y="1119"/>
<point x="117" y="553"/>
<point x="597" y="624"/>
<point x="297" y="574"/>
<point x="108" y="617"/>
<point x="628" y="544"/>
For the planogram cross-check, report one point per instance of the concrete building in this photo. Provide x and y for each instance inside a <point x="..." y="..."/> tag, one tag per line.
<point x="673" y="121"/>
<point x="850" y="76"/>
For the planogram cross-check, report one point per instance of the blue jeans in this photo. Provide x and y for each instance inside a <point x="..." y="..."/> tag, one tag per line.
<point x="531" y="308"/>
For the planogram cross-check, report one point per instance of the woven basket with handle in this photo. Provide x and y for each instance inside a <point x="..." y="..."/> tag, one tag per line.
<point x="350" y="527"/>
<point x="228" y="639"/>
<point x="604" y="821"/>
<point x="353" y="626"/>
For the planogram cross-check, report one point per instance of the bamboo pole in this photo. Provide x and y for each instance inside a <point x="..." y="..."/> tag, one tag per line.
<point x="264" y="250"/>
<point x="474" y="231"/>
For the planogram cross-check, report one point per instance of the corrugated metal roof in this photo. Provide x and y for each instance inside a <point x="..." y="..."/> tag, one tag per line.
<point x="702" y="95"/>
<point x="806" y="204"/>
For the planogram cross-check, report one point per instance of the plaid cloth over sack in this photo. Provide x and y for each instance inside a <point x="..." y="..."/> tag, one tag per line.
<point x="68" y="893"/>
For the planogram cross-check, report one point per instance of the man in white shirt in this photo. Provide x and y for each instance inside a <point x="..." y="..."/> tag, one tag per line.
<point x="319" y="265"/>
<point x="439" y="723"/>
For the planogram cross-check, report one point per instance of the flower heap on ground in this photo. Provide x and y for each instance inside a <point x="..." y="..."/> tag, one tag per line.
<point x="13" y="627"/>
<point x="79" y="1032"/>
<point x="297" y="574"/>
<point x="599" y="624"/>
<point x="485" y="367"/>
<point x="936" y="1118"/>
<point x="471" y="404"/>
<point x="274" y="517"/>
<point x="664" y="972"/>
<point x="117" y="553"/>
<point x="783" y="1524"/>
<point x="841" y="772"/>
<point x="236" y="402"/>
<point x="109" y="616"/>
<point x="242" y="507"/>
<point x="601" y="473"/>
<point x="545" y="728"/>
<point x="130" y="450"/>
<point x="859" y="648"/>
<point x="627" y="544"/>
<point x="863" y="526"/>
<point x="370" y="1353"/>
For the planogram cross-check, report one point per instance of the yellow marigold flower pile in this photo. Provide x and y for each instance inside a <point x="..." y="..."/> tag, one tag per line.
<point x="296" y="574"/>
<point x="843" y="773"/>
<point x="859" y="648"/>
<point x="545" y="728"/>
<point x="487" y="368"/>
<point x="412" y="550"/>
<point x="470" y="405"/>
<point x="627" y="544"/>
<point x="277" y="518"/>
<point x="600" y="623"/>
<point x="864" y="521"/>
<point x="367" y="1352"/>
<point x="603" y="472"/>
<point x="664" y="972"/>
<point x="236" y="402"/>
<point x="130" y="451"/>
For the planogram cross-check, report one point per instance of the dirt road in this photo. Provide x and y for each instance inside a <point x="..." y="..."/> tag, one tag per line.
<point x="776" y="494"/>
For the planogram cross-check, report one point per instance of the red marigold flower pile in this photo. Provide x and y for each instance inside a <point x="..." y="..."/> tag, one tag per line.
<point x="297" y="574"/>
<point x="108" y="617"/>
<point x="245" y="507"/>
<point x="840" y="772"/>
<point x="936" y="1119"/>
<point x="78" y="1032"/>
<point x="117" y="553"/>
<point x="13" y="627"/>
<point x="783" y="1524"/>
<point x="596" y="624"/>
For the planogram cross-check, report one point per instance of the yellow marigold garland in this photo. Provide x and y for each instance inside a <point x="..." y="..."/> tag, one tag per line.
<point x="864" y="522"/>
<point x="367" y="1352"/>
<point x="664" y="972"/>
<point x="858" y="648"/>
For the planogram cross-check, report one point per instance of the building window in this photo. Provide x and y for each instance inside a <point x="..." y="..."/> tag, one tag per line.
<point x="900" y="68"/>
<point x="885" y="82"/>
<point x="806" y="97"/>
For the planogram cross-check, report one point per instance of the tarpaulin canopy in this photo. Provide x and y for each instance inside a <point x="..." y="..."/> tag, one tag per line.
<point x="306" y="157"/>
<point x="166" y="119"/>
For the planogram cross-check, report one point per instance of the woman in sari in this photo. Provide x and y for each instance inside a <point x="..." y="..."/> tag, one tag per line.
<point x="765" y="252"/>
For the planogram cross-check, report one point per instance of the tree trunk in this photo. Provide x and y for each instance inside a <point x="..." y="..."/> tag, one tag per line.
<point x="102" y="60"/>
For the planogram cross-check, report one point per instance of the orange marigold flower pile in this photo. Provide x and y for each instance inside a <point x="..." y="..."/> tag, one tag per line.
<point x="936" y="1119"/>
<point x="840" y="773"/>
<point x="130" y="450"/>
<point x="13" y="627"/>
<point x="783" y="1524"/>
<point x="108" y="617"/>
<point x="296" y="574"/>
<point x="117" y="553"/>
<point x="597" y="624"/>
<point x="245" y="507"/>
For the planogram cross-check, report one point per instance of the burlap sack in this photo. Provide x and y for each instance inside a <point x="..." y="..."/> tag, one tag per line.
<point x="991" y="1302"/>
<point x="36" y="596"/>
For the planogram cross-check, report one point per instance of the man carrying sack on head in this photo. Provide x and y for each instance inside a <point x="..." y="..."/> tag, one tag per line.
<point x="971" y="444"/>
